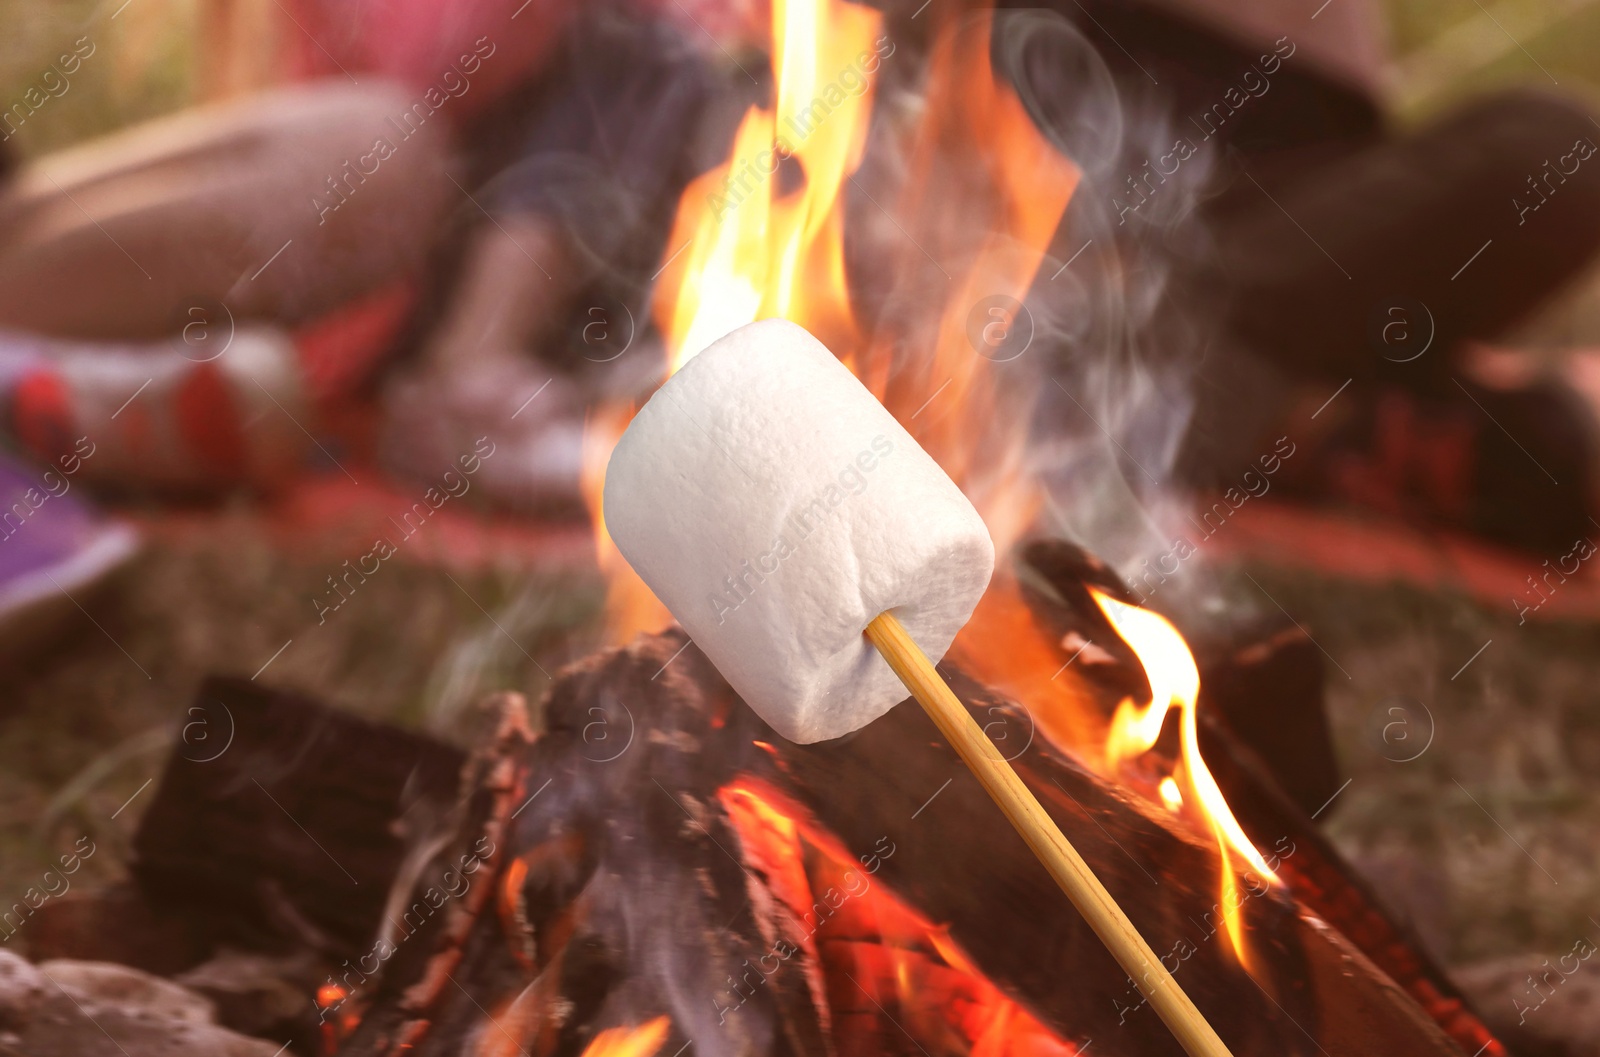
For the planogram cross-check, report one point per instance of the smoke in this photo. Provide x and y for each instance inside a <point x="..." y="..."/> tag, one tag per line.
<point x="1119" y="317"/>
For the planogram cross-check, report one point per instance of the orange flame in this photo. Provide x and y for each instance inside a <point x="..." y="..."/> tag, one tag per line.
<point x="986" y="195"/>
<point x="762" y="235"/>
<point x="1004" y="647"/>
<point x="743" y="248"/>
<point x="642" y="1041"/>
<point x="631" y="607"/>
<point x="1175" y="683"/>
<point x="330" y="996"/>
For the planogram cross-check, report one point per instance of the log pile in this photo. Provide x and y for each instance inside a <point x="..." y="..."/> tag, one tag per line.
<point x="657" y="862"/>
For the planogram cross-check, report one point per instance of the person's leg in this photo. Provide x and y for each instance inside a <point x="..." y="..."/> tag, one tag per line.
<point x="1371" y="279"/>
<point x="1459" y="230"/>
<point x="508" y="296"/>
<point x="475" y="378"/>
<point x="279" y="206"/>
<point x="146" y="279"/>
<point x="588" y="202"/>
<point x="146" y="417"/>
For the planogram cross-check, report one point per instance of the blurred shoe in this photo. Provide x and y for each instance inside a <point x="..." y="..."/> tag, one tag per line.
<point x="53" y="546"/>
<point x="533" y="418"/>
<point x="160" y="417"/>
<point x="1514" y="461"/>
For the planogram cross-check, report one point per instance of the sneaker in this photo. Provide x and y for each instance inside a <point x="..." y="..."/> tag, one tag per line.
<point x="1515" y="464"/>
<point x="532" y="418"/>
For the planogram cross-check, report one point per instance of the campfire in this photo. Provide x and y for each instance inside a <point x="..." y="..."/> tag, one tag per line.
<point x="982" y="197"/>
<point x="644" y="867"/>
<point x="763" y="235"/>
<point x="655" y="869"/>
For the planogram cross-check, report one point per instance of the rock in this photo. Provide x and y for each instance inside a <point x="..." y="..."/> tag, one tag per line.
<point x="259" y="994"/>
<point x="105" y="987"/>
<point x="1535" y="1005"/>
<point x="68" y="1008"/>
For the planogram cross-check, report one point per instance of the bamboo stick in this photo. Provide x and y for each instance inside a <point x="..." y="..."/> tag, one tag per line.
<point x="1052" y="848"/>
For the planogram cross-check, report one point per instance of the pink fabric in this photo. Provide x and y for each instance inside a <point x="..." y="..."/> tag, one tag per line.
<point x="430" y="45"/>
<point x="341" y="350"/>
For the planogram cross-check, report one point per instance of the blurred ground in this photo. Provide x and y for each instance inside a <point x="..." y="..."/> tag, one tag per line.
<point x="1473" y="798"/>
<point x="103" y="703"/>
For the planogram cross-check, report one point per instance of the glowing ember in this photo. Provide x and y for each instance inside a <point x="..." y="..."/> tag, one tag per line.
<point x="878" y="957"/>
<point x="330" y="996"/>
<point x="1175" y="683"/>
<point x="1171" y="795"/>
<point x="642" y="1041"/>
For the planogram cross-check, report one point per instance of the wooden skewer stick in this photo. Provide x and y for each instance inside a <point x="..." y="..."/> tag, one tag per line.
<point x="1066" y="866"/>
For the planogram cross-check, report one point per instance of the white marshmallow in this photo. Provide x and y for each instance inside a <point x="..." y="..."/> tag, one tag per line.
<point x="776" y="507"/>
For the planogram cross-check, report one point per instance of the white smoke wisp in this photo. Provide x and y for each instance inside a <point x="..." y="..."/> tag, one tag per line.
<point x="1121" y="324"/>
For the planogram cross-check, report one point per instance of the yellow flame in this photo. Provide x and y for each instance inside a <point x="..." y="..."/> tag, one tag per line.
<point x="762" y="235"/>
<point x="748" y="243"/>
<point x="747" y="246"/>
<point x="1175" y="683"/>
<point x="642" y="1041"/>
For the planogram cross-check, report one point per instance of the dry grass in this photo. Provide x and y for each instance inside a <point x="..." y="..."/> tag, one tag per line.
<point x="1488" y="841"/>
<point x="82" y="727"/>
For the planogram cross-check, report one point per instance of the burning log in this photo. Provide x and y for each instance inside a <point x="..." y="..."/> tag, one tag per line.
<point x="1267" y="742"/>
<point x="777" y="898"/>
<point x="288" y="816"/>
<point x="657" y="866"/>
